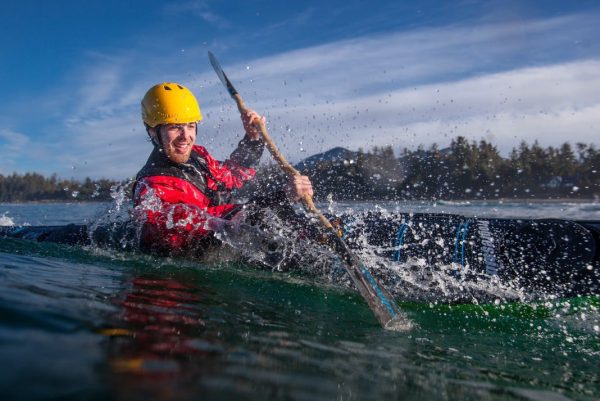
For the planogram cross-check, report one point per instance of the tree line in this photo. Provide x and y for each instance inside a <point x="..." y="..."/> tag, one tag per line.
<point x="464" y="170"/>
<point x="36" y="187"/>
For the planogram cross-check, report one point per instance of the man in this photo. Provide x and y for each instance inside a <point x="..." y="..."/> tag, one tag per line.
<point x="182" y="186"/>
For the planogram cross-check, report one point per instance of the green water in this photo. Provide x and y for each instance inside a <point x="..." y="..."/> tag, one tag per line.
<point x="84" y="324"/>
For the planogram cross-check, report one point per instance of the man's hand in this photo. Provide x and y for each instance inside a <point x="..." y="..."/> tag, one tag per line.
<point x="251" y="120"/>
<point x="298" y="187"/>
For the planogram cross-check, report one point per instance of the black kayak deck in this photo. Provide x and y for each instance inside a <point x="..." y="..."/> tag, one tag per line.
<point x="548" y="254"/>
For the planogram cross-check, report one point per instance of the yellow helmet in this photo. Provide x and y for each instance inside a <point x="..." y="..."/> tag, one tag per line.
<point x="169" y="103"/>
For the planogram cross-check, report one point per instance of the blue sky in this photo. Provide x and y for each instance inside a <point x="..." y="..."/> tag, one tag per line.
<point x="325" y="73"/>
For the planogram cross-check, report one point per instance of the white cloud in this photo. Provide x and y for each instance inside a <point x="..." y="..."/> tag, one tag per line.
<point x="199" y="8"/>
<point x="99" y="89"/>
<point x="502" y="82"/>
<point x="13" y="140"/>
<point x="553" y="104"/>
<point x="12" y="144"/>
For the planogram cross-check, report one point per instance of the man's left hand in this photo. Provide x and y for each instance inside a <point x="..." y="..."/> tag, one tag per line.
<point x="298" y="187"/>
<point x="251" y="121"/>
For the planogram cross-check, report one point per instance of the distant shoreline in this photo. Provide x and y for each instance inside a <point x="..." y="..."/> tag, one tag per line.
<point x="529" y="200"/>
<point x="500" y="200"/>
<point x="46" y="202"/>
<point x="474" y="201"/>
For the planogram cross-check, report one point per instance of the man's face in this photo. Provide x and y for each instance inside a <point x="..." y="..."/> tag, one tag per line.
<point x="177" y="140"/>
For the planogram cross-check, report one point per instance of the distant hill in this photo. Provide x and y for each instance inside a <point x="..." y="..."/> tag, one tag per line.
<point x="337" y="154"/>
<point x="340" y="154"/>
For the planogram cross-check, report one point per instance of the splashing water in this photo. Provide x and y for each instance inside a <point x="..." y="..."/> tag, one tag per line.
<point x="5" y="220"/>
<point x="114" y="227"/>
<point x="523" y="268"/>
<point x="429" y="275"/>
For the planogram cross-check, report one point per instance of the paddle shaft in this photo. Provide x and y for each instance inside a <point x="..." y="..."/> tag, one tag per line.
<point x="379" y="299"/>
<point x="307" y="201"/>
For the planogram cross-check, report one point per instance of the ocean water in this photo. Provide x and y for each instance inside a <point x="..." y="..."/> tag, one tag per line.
<point x="85" y="323"/>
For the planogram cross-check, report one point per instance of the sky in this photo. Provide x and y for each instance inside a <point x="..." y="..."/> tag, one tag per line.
<point x="325" y="73"/>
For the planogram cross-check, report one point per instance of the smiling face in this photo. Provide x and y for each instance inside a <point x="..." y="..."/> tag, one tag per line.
<point x="177" y="140"/>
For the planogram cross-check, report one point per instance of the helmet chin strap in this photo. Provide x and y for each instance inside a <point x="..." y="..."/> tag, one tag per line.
<point x="155" y="139"/>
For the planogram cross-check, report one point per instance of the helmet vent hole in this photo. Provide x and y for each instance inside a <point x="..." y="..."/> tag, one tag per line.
<point x="180" y="87"/>
<point x="167" y="88"/>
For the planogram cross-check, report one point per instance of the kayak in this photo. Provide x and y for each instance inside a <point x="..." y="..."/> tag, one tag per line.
<point x="549" y="255"/>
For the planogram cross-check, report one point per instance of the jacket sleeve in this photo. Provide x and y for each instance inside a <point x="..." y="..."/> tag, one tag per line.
<point x="174" y="215"/>
<point x="248" y="152"/>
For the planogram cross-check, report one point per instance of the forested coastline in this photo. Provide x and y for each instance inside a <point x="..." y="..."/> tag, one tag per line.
<point x="464" y="170"/>
<point x="34" y="187"/>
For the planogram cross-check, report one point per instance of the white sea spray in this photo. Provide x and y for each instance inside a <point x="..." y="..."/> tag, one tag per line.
<point x="274" y="244"/>
<point x="6" y="220"/>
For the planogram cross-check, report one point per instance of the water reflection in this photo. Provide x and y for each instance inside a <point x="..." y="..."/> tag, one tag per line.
<point x="158" y="336"/>
<point x="217" y="335"/>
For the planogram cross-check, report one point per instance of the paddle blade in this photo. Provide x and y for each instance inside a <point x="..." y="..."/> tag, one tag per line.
<point x="380" y="301"/>
<point x="221" y="74"/>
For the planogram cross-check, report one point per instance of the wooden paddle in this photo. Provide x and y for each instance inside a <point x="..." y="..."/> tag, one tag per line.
<point x="378" y="298"/>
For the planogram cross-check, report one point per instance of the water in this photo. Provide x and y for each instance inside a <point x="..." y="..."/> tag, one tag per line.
<point x="91" y="324"/>
<point x="574" y="210"/>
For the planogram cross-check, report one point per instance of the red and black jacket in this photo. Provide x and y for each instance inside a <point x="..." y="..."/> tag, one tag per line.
<point x="175" y="200"/>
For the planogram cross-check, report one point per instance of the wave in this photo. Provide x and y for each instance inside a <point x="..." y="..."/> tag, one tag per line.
<point x="5" y="220"/>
